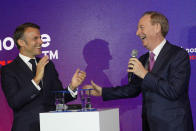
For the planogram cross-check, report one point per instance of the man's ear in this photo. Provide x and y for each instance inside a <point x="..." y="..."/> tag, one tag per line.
<point x="21" y="42"/>
<point x="157" y="28"/>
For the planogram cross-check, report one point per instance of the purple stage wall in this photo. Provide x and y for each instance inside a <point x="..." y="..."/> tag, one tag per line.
<point x="96" y="36"/>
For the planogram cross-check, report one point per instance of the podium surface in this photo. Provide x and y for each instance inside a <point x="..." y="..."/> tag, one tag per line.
<point x="101" y="120"/>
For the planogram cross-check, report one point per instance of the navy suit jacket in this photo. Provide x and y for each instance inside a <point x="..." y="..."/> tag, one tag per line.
<point x="24" y="98"/>
<point x="166" y="105"/>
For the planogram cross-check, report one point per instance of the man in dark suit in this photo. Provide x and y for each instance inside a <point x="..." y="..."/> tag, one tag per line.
<point x="28" y="85"/>
<point x="161" y="75"/>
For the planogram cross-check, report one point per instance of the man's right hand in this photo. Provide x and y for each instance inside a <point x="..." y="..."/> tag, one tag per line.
<point x="97" y="89"/>
<point x="40" y="69"/>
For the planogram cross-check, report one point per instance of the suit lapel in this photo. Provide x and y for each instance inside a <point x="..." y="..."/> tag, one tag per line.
<point x="144" y="60"/>
<point x="162" y="57"/>
<point x="23" y="68"/>
<point x="22" y="65"/>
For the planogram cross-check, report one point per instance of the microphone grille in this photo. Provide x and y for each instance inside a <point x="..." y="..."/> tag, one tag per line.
<point x="134" y="53"/>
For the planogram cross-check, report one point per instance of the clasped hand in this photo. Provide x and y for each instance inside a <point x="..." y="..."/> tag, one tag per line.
<point x="136" y="67"/>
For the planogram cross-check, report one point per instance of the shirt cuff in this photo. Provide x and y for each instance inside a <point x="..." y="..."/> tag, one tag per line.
<point x="73" y="93"/>
<point x="37" y="86"/>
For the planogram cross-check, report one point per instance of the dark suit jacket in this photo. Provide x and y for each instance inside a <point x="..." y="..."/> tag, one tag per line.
<point x="24" y="98"/>
<point x="166" y="105"/>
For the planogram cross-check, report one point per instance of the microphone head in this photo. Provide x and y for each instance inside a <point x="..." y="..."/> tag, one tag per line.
<point x="134" y="53"/>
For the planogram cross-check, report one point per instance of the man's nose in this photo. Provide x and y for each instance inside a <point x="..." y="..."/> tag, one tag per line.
<point x="137" y="32"/>
<point x="40" y="41"/>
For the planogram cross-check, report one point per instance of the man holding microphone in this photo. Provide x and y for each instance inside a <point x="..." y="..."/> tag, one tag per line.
<point x="161" y="75"/>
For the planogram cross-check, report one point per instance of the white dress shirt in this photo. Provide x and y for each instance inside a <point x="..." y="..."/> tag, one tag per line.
<point x="157" y="50"/>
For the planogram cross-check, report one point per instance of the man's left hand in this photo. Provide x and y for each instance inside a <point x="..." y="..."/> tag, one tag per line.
<point x="137" y="68"/>
<point x="77" y="79"/>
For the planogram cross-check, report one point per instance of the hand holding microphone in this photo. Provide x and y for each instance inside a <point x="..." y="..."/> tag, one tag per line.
<point x="135" y="66"/>
<point x="134" y="54"/>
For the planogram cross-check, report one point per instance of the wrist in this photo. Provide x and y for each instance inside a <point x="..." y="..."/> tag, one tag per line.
<point x="37" y="81"/>
<point x="73" y="88"/>
<point x="144" y="74"/>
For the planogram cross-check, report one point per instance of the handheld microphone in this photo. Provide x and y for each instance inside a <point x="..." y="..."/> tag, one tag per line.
<point x="134" y="54"/>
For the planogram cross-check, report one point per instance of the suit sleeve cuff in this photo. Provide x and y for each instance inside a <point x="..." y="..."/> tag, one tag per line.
<point x="37" y="86"/>
<point x="73" y="93"/>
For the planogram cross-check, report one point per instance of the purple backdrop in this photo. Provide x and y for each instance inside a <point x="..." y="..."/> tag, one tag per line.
<point x="96" y="36"/>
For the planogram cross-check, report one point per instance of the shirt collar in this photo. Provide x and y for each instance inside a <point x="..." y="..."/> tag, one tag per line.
<point x="25" y="58"/>
<point x="157" y="50"/>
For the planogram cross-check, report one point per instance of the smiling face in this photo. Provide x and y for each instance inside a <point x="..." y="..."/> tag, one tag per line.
<point x="148" y="33"/>
<point x="30" y="44"/>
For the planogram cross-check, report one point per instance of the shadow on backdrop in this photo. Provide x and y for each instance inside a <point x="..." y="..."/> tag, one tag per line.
<point x="97" y="56"/>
